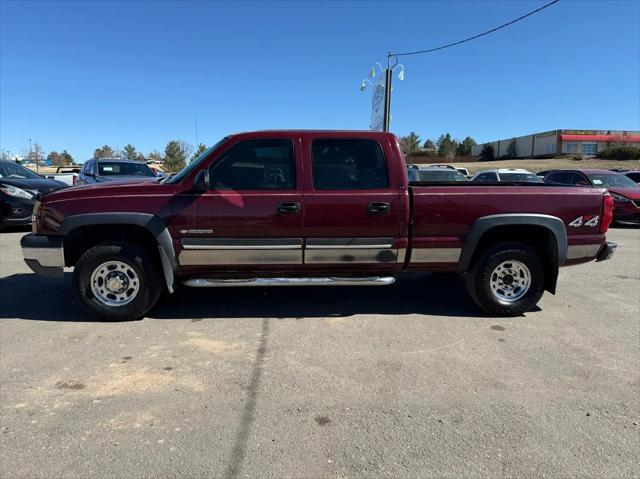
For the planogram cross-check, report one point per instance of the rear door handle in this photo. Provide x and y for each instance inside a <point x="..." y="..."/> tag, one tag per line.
<point x="289" y="208"/>
<point x="378" y="208"/>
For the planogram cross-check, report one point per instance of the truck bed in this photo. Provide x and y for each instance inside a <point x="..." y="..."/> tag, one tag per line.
<point x="442" y="215"/>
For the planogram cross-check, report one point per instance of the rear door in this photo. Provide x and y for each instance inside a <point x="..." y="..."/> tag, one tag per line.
<point x="251" y="217"/>
<point x="353" y="204"/>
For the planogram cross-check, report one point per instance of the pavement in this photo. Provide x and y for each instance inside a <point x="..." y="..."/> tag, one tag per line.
<point x="410" y="380"/>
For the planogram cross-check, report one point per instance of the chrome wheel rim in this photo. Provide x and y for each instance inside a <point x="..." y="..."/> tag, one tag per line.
<point x="510" y="281"/>
<point x="114" y="283"/>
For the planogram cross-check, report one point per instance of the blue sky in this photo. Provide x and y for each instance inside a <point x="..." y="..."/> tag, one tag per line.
<point x="78" y="75"/>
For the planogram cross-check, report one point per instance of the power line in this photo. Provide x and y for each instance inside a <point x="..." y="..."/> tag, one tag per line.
<point x="476" y="36"/>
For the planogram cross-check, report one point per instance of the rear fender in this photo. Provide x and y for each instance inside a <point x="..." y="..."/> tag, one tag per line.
<point x="554" y="225"/>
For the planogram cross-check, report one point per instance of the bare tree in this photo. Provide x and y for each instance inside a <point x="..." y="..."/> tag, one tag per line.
<point x="186" y="148"/>
<point x="35" y="154"/>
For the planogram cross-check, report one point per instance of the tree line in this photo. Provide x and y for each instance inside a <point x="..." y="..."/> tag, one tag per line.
<point x="445" y="146"/>
<point x="173" y="159"/>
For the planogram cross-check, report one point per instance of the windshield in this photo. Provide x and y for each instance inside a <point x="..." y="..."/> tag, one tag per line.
<point x="121" y="168"/>
<point x="520" y="178"/>
<point x="612" y="180"/>
<point x="15" y="171"/>
<point x="178" y="177"/>
<point x="440" y="175"/>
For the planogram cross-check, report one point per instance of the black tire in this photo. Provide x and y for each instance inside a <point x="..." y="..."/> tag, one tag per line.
<point x="479" y="279"/>
<point x="149" y="289"/>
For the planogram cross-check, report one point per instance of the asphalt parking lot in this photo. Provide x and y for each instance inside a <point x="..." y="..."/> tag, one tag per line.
<point x="405" y="381"/>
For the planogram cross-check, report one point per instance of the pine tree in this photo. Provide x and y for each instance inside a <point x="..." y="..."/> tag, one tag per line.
<point x="410" y="144"/>
<point x="130" y="152"/>
<point x="174" y="157"/>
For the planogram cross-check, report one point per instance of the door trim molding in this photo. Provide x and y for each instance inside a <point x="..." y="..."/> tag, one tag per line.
<point x="241" y="243"/>
<point x="349" y="243"/>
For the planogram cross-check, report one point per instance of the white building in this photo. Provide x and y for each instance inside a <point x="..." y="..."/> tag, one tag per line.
<point x="558" y="142"/>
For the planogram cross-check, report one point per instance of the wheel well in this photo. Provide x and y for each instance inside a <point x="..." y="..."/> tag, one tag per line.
<point x="539" y="238"/>
<point x="83" y="238"/>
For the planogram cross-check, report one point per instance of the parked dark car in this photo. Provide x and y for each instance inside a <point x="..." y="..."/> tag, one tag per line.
<point x="624" y="191"/>
<point x="19" y="190"/>
<point x="634" y="175"/>
<point x="114" y="169"/>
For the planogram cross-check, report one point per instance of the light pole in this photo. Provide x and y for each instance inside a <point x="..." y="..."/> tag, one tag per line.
<point x="31" y="155"/>
<point x="388" y="75"/>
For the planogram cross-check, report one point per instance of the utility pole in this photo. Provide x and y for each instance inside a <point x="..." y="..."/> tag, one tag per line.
<point x="387" y="94"/>
<point x="31" y="156"/>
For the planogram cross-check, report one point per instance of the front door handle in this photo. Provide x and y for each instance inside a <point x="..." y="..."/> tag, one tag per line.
<point x="378" y="208"/>
<point x="289" y="208"/>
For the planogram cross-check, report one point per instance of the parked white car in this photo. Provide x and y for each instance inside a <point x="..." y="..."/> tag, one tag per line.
<point x="67" y="174"/>
<point x="434" y="173"/>
<point x="511" y="175"/>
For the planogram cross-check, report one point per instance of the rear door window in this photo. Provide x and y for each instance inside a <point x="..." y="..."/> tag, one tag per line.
<point x="348" y="164"/>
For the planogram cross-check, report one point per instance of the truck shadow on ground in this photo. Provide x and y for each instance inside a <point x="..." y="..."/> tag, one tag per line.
<point x="29" y="296"/>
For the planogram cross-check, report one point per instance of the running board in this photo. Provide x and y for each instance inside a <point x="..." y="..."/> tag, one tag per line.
<point x="220" y="283"/>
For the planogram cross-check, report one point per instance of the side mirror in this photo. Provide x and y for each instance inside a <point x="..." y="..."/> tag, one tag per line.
<point x="201" y="182"/>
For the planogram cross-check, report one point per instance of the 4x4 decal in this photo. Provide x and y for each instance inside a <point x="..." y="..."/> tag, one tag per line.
<point x="585" y="221"/>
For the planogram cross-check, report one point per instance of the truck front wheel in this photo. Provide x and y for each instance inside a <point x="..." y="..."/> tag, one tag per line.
<point x="507" y="280"/>
<point x="117" y="282"/>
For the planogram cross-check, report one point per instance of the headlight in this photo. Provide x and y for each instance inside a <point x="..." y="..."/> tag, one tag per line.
<point x="620" y="198"/>
<point x="16" y="192"/>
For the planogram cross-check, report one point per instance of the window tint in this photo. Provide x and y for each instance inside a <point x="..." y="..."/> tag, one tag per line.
<point x="612" y="180"/>
<point x="634" y="176"/>
<point x="561" y="177"/>
<point x="412" y="173"/>
<point x="16" y="171"/>
<point x="256" y="165"/>
<point x="441" y="175"/>
<point x="348" y="164"/>
<point x="486" y="177"/>
<point x="567" y="178"/>
<point x="115" y="168"/>
<point x="520" y="177"/>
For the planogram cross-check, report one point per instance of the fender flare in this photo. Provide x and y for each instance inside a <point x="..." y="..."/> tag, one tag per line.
<point x="482" y="225"/>
<point x="152" y="223"/>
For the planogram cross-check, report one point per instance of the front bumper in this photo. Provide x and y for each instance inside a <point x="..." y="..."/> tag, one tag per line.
<point x="15" y="211"/>
<point x="607" y="251"/>
<point x="44" y="254"/>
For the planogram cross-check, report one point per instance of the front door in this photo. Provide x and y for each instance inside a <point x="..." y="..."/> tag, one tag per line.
<point x="353" y="208"/>
<point x="251" y="217"/>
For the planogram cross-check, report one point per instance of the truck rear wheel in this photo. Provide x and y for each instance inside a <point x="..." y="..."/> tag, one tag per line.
<point x="117" y="282"/>
<point x="507" y="280"/>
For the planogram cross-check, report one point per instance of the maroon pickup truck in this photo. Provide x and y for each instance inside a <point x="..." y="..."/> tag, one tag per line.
<point x="275" y="208"/>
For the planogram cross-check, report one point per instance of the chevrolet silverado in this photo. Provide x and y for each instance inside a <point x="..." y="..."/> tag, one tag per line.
<point x="276" y="208"/>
